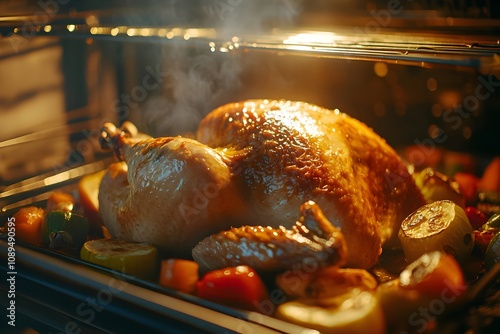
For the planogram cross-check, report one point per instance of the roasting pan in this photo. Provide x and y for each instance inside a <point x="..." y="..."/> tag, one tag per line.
<point x="67" y="66"/>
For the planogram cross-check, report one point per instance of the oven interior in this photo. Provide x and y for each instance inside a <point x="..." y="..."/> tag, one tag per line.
<point x="423" y="74"/>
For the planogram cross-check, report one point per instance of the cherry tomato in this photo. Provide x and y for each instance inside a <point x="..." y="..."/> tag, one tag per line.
<point x="476" y="218"/>
<point x="237" y="286"/>
<point x="468" y="184"/>
<point x="482" y="239"/>
<point x="179" y="274"/>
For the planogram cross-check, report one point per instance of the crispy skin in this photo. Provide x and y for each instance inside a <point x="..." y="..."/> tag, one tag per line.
<point x="257" y="161"/>
<point x="313" y="241"/>
<point x="170" y="192"/>
<point x="284" y="153"/>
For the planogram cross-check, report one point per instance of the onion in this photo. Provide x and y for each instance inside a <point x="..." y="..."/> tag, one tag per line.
<point x="436" y="186"/>
<point x="355" y="311"/>
<point x="438" y="226"/>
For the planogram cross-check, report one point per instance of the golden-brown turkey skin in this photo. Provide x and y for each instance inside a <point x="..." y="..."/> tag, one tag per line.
<point x="255" y="163"/>
<point x="283" y="153"/>
<point x="170" y="192"/>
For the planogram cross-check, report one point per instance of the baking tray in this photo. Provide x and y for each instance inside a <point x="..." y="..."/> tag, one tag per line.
<point x="61" y="292"/>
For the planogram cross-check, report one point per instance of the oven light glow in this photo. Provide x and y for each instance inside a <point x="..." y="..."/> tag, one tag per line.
<point x="381" y="69"/>
<point x="146" y="32"/>
<point x="47" y="28"/>
<point x="312" y="38"/>
<point x="114" y="31"/>
<point x="71" y="27"/>
<point x="56" y="178"/>
<point x="91" y="20"/>
<point x="161" y="32"/>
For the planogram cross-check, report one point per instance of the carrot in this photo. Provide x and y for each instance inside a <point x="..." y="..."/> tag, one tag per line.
<point x="179" y="274"/>
<point x="28" y="222"/>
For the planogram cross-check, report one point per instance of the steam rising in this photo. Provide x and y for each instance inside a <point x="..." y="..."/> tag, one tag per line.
<point x="197" y="80"/>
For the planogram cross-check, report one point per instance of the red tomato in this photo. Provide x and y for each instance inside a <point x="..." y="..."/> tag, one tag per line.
<point x="482" y="239"/>
<point x="476" y="218"/>
<point x="237" y="286"/>
<point x="468" y="184"/>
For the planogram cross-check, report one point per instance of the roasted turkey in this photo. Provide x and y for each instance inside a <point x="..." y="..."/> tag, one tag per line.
<point x="255" y="163"/>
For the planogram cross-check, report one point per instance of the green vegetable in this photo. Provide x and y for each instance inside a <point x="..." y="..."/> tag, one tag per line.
<point x="493" y="222"/>
<point x="492" y="252"/>
<point x="64" y="230"/>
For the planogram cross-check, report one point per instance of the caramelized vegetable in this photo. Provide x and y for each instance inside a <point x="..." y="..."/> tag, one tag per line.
<point x="88" y="189"/>
<point x="179" y="274"/>
<point x="490" y="181"/>
<point x="28" y="223"/>
<point x="441" y="226"/>
<point x="325" y="283"/>
<point x="130" y="258"/>
<point x="60" y="201"/>
<point x="468" y="185"/>
<point x="434" y="274"/>
<point x="436" y="186"/>
<point x="354" y="311"/>
<point x="426" y="288"/>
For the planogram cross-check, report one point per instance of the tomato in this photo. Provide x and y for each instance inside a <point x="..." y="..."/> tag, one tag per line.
<point x="237" y="286"/>
<point x="468" y="184"/>
<point x="490" y="181"/>
<point x="434" y="274"/>
<point x="29" y="224"/>
<point x="179" y="274"/>
<point x="482" y="239"/>
<point x="476" y="218"/>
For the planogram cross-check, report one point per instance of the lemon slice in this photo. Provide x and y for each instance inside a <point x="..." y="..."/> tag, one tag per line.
<point x="438" y="226"/>
<point x="134" y="259"/>
<point x="356" y="311"/>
